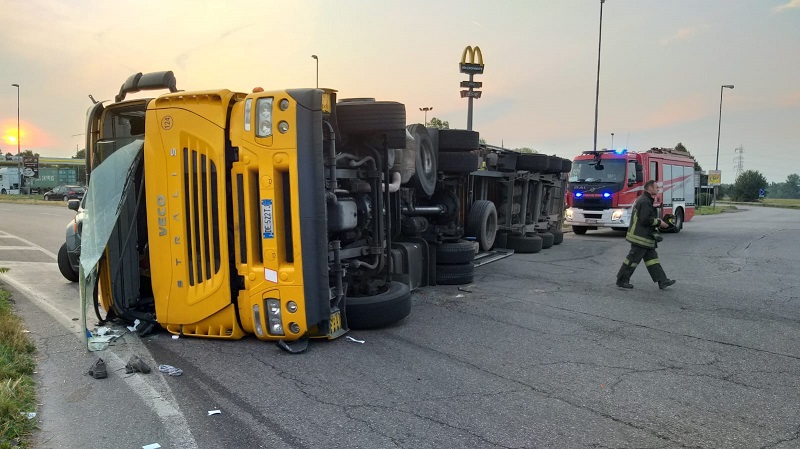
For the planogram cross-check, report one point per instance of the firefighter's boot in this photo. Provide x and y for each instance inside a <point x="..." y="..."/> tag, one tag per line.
<point x="624" y="275"/>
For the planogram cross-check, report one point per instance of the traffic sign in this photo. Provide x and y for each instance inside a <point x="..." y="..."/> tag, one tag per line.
<point x="473" y="84"/>
<point x="470" y="93"/>
<point x="714" y="177"/>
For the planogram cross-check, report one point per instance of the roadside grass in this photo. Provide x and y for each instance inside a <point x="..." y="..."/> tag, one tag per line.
<point x="708" y="210"/>
<point x="30" y="199"/>
<point x="782" y="202"/>
<point x="17" y="388"/>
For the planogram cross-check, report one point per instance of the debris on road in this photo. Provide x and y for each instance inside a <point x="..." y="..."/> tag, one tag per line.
<point x="353" y="339"/>
<point x="170" y="370"/>
<point x="214" y="412"/>
<point x="137" y="365"/>
<point x="98" y="369"/>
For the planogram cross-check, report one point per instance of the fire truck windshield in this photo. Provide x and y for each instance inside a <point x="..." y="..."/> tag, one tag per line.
<point x="610" y="170"/>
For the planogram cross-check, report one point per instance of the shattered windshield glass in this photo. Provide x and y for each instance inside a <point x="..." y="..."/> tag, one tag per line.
<point x="109" y="184"/>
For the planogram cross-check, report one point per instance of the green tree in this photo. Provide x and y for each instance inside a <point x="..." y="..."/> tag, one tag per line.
<point x="525" y="150"/>
<point x="80" y="154"/>
<point x="437" y="123"/>
<point x="29" y="153"/>
<point x="681" y="147"/>
<point x="748" y="184"/>
<point x="791" y="188"/>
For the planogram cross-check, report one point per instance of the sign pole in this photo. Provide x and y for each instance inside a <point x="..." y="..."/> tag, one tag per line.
<point x="471" y="68"/>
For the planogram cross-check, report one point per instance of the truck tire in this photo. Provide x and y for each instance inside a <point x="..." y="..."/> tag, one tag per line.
<point x="566" y="165"/>
<point x="64" y="266"/>
<point x="501" y="239"/>
<point x="459" y="252"/>
<point x="558" y="237"/>
<point x="548" y="239"/>
<point x="426" y="161"/>
<point x="579" y="230"/>
<point x="553" y="165"/>
<point x="458" y="162"/>
<point x="456" y="274"/>
<point x="458" y="140"/>
<point x="524" y="243"/>
<point x="678" y="222"/>
<point x="482" y="223"/>
<point x="533" y="162"/>
<point x="3" y="192"/>
<point x="369" y="312"/>
<point x="370" y="117"/>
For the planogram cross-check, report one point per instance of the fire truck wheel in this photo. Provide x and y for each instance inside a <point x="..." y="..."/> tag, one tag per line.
<point x="566" y="165"/>
<point x="367" y="312"/>
<point x="426" y="163"/>
<point x="458" y="140"/>
<point x="525" y="243"/>
<point x="579" y="230"/>
<point x="370" y="117"/>
<point x="558" y="237"/>
<point x="64" y="266"/>
<point x="456" y="274"/>
<point x="482" y="223"/>
<point x="458" y="162"/>
<point x="548" y="239"/>
<point x="458" y="252"/>
<point x="678" y="222"/>
<point x="533" y="162"/>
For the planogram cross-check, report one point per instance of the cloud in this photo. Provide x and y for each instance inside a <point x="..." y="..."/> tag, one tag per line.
<point x="791" y="5"/>
<point x="686" y="33"/>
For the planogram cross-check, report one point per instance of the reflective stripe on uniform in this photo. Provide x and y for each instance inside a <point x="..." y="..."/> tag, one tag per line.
<point x="652" y="262"/>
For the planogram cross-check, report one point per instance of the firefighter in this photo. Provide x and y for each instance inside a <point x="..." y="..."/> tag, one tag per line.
<point x="643" y="236"/>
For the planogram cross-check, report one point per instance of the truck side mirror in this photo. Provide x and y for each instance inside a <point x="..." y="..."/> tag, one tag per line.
<point x="639" y="176"/>
<point x="73" y="204"/>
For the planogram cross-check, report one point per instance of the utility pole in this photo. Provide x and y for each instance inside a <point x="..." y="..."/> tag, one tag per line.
<point x="739" y="160"/>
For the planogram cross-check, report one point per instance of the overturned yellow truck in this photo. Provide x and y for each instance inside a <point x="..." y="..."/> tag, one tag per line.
<point x="282" y="214"/>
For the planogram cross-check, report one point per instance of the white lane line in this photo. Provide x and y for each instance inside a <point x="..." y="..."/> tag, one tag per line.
<point x="6" y="234"/>
<point x="19" y="248"/>
<point x="48" y="213"/>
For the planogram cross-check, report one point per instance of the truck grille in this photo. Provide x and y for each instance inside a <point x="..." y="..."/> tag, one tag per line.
<point x="201" y="205"/>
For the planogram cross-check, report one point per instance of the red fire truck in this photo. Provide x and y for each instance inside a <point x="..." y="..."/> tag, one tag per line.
<point x="603" y="186"/>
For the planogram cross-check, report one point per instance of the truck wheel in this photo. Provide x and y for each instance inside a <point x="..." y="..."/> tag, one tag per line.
<point x="553" y="165"/>
<point x="425" y="165"/>
<point x="3" y="192"/>
<point x="548" y="239"/>
<point x="558" y="237"/>
<point x="64" y="266"/>
<point x="566" y="165"/>
<point x="501" y="239"/>
<point x="678" y="222"/>
<point x="456" y="274"/>
<point x="533" y="162"/>
<point x="368" y="312"/>
<point x="458" y="140"/>
<point x="458" y="252"/>
<point x="458" y="162"/>
<point x="525" y="243"/>
<point x="580" y="230"/>
<point x="482" y="223"/>
<point x="370" y="117"/>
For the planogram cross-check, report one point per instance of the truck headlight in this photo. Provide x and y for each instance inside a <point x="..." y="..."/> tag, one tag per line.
<point x="617" y="214"/>
<point x="273" y="307"/>
<point x="264" y="110"/>
<point x="568" y="214"/>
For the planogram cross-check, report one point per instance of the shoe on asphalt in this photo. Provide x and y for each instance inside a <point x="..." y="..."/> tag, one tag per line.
<point x="98" y="370"/>
<point x="622" y="284"/>
<point x="664" y="284"/>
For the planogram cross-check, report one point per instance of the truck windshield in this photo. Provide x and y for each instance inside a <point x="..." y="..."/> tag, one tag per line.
<point x="613" y="170"/>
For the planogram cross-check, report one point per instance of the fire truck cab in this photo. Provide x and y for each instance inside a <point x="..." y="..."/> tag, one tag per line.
<point x="603" y="186"/>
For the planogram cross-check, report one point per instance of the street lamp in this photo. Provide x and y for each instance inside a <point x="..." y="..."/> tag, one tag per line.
<point x="719" y="125"/>
<point x="612" y="141"/>
<point x="597" y="92"/>
<point x="317" y="59"/>
<point x="18" y="139"/>
<point x="719" y="129"/>
<point x="426" y="109"/>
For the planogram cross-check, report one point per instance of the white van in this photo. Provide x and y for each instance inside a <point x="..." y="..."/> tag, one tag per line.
<point x="9" y="181"/>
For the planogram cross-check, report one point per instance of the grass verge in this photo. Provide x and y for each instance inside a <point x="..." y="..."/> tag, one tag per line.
<point x="708" y="210"/>
<point x="30" y="199"/>
<point x="17" y="388"/>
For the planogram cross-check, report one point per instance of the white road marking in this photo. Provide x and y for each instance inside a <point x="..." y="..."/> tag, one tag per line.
<point x="31" y="244"/>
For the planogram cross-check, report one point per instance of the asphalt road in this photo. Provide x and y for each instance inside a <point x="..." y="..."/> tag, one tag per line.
<point x="541" y="351"/>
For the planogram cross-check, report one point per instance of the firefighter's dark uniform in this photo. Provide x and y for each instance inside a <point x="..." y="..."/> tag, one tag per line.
<point x="641" y="235"/>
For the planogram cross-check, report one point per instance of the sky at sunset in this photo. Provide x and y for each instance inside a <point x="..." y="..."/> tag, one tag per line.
<point x="662" y="65"/>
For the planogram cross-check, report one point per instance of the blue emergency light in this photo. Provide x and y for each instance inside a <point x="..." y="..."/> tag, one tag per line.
<point x="578" y="194"/>
<point x="606" y="194"/>
<point x="621" y="150"/>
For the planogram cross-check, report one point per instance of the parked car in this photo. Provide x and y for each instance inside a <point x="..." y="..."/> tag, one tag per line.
<point x="69" y="255"/>
<point x="65" y="193"/>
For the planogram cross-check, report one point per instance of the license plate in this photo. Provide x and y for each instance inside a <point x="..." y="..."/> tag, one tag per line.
<point x="268" y="225"/>
<point x="591" y="220"/>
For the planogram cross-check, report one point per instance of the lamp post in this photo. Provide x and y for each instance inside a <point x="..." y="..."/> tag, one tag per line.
<point x="317" y="59"/>
<point x="18" y="139"/>
<point x="426" y="109"/>
<point x="597" y="91"/>
<point x="612" y="141"/>
<point x="719" y="129"/>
